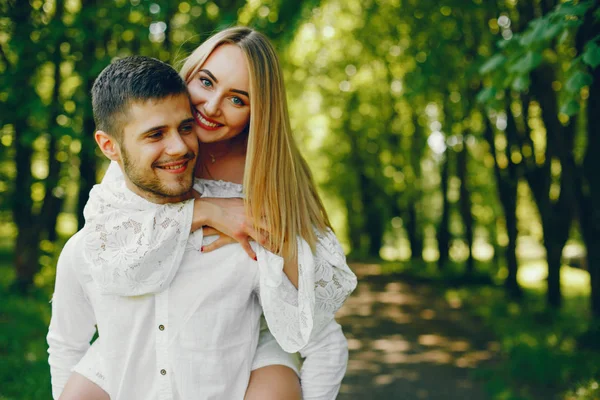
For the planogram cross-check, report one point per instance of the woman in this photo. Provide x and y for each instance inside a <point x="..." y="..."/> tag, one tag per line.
<point x="238" y="100"/>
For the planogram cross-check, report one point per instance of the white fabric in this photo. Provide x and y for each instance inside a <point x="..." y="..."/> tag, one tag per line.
<point x="325" y="280"/>
<point x="210" y="314"/>
<point x="141" y="268"/>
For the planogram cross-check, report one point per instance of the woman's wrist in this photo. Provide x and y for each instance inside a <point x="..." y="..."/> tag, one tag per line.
<point x="203" y="210"/>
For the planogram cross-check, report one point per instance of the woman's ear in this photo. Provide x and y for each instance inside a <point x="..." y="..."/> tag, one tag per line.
<point x="108" y="145"/>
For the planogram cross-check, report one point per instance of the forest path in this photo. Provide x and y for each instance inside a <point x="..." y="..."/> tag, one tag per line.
<point x="408" y="342"/>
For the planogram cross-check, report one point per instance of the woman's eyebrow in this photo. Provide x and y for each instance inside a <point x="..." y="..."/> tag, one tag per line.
<point x="241" y="92"/>
<point x="214" y="78"/>
<point x="207" y="72"/>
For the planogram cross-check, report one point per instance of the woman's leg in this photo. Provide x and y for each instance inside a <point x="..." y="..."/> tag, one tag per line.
<point x="79" y="387"/>
<point x="273" y="382"/>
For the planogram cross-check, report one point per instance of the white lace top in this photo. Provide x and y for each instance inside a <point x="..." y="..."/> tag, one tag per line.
<point x="136" y="248"/>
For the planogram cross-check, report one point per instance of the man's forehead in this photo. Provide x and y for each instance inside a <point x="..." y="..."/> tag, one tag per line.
<point x="145" y="114"/>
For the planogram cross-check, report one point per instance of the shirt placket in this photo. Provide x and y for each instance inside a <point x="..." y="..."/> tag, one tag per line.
<point x="163" y="369"/>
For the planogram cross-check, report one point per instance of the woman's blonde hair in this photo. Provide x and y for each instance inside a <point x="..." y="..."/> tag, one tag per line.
<point x="278" y="183"/>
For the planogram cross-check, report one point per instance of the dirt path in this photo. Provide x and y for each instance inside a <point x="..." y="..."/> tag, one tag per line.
<point x="407" y="342"/>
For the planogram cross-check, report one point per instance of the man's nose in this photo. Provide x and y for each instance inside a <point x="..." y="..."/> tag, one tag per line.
<point x="176" y="145"/>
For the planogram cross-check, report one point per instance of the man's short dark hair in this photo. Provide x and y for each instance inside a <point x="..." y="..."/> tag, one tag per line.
<point x="130" y="79"/>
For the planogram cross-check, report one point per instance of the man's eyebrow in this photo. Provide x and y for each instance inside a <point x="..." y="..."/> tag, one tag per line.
<point x="154" y="128"/>
<point x="186" y="121"/>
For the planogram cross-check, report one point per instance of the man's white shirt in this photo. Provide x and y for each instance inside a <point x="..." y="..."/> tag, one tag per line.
<point x="188" y="329"/>
<point x="195" y="339"/>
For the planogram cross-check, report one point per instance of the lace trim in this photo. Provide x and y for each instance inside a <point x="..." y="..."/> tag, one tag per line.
<point x="136" y="247"/>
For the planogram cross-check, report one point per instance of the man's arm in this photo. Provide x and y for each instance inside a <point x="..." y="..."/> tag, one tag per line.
<point x="73" y="321"/>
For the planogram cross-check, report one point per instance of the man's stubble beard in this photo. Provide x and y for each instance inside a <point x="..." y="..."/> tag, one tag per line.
<point x="153" y="185"/>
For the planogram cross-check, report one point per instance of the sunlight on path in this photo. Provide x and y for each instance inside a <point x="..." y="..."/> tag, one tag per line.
<point x="407" y="342"/>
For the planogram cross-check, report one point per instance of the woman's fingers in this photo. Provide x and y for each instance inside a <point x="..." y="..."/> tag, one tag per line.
<point x="210" y="231"/>
<point x="224" y="240"/>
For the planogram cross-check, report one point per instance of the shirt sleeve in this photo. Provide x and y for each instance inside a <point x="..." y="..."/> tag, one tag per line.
<point x="134" y="247"/>
<point x="325" y="362"/>
<point x="72" y="325"/>
<point x="324" y="283"/>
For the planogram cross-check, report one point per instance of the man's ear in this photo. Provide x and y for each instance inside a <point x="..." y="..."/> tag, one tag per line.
<point x="108" y="145"/>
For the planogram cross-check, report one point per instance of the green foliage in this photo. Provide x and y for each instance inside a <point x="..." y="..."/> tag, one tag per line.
<point x="24" y="370"/>
<point x="592" y="53"/>
<point x="542" y="358"/>
<point x="523" y="53"/>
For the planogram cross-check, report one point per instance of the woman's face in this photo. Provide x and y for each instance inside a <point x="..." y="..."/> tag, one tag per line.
<point x="220" y="95"/>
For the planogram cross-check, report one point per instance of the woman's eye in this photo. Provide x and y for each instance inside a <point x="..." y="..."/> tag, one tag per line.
<point x="205" y="82"/>
<point x="237" y="101"/>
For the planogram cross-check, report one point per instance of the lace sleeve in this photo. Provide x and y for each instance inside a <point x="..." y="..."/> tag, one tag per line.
<point x="134" y="246"/>
<point x="334" y="280"/>
<point x="324" y="283"/>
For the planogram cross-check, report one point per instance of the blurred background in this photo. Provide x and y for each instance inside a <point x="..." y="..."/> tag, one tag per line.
<point x="456" y="144"/>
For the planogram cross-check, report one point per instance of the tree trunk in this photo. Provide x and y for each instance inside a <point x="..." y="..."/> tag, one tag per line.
<point x="589" y="184"/>
<point x="443" y="233"/>
<point x="507" y="183"/>
<point x="26" y="248"/>
<point x="465" y="204"/>
<point x="414" y="229"/>
<point x="413" y="232"/>
<point x="53" y="198"/>
<point x="26" y="256"/>
<point x="558" y="215"/>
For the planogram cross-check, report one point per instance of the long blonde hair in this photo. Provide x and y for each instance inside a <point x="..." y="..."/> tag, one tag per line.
<point x="278" y="184"/>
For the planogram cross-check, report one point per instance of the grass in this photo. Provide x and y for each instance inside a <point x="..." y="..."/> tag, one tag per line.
<point x="24" y="370"/>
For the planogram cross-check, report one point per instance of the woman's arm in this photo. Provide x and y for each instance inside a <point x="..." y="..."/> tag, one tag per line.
<point x="325" y="362"/>
<point x="295" y="314"/>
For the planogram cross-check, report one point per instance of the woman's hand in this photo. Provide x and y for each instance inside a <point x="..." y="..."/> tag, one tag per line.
<point x="229" y="220"/>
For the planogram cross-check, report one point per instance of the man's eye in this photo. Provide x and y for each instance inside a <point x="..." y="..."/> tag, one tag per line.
<point x="188" y="128"/>
<point x="155" y="135"/>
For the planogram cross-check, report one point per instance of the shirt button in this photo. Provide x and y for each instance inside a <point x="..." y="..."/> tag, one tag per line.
<point x="161" y="327"/>
<point x="163" y="371"/>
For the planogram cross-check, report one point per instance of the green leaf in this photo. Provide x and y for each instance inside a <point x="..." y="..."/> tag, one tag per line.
<point x="578" y="80"/>
<point x="492" y="63"/>
<point x="591" y="55"/>
<point x="570" y="8"/>
<point x="552" y="30"/>
<point x="487" y="94"/>
<point x="563" y="37"/>
<point x="521" y="83"/>
<point x="535" y="32"/>
<point x="527" y="63"/>
<point x="570" y="108"/>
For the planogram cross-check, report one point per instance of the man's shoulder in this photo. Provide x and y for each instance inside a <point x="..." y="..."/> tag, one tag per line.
<point x="73" y="249"/>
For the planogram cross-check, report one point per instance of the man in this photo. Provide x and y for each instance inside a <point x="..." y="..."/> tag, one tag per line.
<point x="194" y="339"/>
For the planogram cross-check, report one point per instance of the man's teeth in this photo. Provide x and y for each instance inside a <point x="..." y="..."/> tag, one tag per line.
<point x="206" y="122"/>
<point x="173" y="166"/>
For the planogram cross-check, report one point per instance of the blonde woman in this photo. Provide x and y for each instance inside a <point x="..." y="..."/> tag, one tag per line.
<point x="247" y="151"/>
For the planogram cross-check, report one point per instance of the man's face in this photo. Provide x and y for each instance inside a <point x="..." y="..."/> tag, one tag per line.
<point x="158" y="149"/>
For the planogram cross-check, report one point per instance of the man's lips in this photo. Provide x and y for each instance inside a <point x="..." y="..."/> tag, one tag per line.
<point x="175" y="166"/>
<point x="205" y="122"/>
